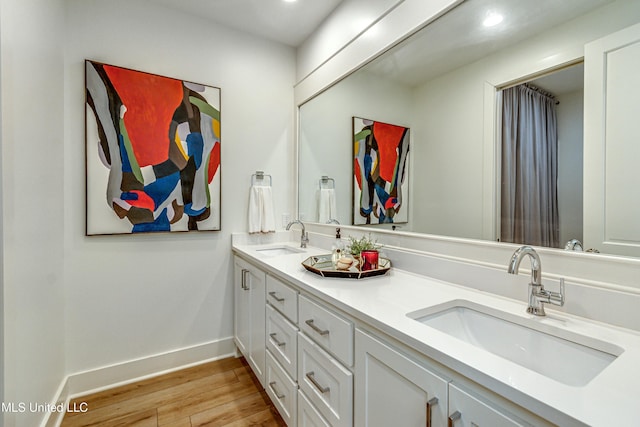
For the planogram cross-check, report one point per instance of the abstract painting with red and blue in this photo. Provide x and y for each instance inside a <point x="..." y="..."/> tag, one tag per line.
<point x="380" y="190"/>
<point x="152" y="152"/>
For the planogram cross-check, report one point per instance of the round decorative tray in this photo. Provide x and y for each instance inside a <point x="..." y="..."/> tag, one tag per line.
<point x="322" y="265"/>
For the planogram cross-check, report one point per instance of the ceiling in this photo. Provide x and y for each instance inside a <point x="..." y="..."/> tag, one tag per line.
<point x="277" y="20"/>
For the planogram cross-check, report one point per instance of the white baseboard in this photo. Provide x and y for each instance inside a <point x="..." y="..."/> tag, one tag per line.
<point x="95" y="380"/>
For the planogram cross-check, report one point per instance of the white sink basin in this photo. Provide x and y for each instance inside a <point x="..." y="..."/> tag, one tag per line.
<point x="278" y="250"/>
<point x="556" y="353"/>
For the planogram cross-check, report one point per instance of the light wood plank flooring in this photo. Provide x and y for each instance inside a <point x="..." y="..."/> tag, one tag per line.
<point x="220" y="393"/>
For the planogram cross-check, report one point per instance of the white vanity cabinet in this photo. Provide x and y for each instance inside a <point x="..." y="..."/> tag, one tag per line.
<point x="307" y="348"/>
<point x="249" y="314"/>
<point x="322" y="366"/>
<point x="393" y="389"/>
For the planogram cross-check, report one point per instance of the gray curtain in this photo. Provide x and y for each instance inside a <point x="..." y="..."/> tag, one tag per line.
<point x="529" y="198"/>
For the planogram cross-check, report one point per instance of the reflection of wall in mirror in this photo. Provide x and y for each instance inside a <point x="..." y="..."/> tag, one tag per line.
<point x="570" y="171"/>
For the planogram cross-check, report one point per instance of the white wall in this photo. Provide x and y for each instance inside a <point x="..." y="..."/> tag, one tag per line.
<point x="32" y="71"/>
<point x="131" y="297"/>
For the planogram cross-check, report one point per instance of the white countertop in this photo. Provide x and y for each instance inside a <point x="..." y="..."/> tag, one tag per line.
<point x="611" y="398"/>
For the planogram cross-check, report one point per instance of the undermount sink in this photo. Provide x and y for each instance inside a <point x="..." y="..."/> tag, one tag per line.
<point x="564" y="356"/>
<point x="278" y="250"/>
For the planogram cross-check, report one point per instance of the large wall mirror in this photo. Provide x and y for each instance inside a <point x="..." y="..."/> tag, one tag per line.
<point x="448" y="84"/>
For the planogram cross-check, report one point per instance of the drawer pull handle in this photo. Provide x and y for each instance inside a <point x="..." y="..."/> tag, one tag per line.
<point x="310" y="376"/>
<point x="315" y="328"/>
<point x="275" y="340"/>
<point x="453" y="418"/>
<point x="430" y="403"/>
<point x="273" y="295"/>
<point x="244" y="282"/>
<point x="272" y="386"/>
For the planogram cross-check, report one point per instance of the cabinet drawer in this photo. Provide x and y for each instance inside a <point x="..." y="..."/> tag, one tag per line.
<point x="282" y="391"/>
<point x="466" y="408"/>
<point x="283" y="298"/>
<point x="325" y="382"/>
<point x="308" y="416"/>
<point x="282" y="341"/>
<point x="332" y="332"/>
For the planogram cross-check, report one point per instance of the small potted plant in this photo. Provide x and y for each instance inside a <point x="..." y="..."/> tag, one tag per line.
<point x="366" y="250"/>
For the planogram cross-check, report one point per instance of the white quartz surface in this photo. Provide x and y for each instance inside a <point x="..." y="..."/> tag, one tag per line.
<point x="611" y="398"/>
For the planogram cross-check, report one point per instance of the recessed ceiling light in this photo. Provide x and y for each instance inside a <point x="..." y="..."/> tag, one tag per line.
<point x="492" y="20"/>
<point x="290" y="1"/>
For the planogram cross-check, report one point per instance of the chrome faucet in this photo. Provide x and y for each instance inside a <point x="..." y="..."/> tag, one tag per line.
<point x="304" y="238"/>
<point x="573" y="245"/>
<point x="537" y="293"/>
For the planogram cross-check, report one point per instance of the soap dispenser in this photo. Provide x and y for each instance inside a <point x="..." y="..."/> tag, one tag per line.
<point x="337" y="249"/>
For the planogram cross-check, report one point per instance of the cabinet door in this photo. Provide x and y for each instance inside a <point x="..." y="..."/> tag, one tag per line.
<point x="250" y="315"/>
<point x="393" y="390"/>
<point x="467" y="410"/>
<point x="257" y="313"/>
<point x="241" y="305"/>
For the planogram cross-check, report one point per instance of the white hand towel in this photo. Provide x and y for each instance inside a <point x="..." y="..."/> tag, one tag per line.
<point x="268" y="215"/>
<point x="326" y="205"/>
<point x="261" y="215"/>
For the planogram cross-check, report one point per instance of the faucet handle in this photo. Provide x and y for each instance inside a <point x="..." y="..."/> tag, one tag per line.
<point x="555" y="298"/>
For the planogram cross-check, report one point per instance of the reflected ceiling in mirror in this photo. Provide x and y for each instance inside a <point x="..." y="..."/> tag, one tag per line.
<point x="438" y="82"/>
<point x="460" y="37"/>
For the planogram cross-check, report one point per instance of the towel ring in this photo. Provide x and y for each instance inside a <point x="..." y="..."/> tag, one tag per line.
<point x="326" y="182"/>
<point x="260" y="176"/>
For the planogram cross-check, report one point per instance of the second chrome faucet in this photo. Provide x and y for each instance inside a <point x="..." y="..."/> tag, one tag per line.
<point x="538" y="295"/>
<point x="304" y="237"/>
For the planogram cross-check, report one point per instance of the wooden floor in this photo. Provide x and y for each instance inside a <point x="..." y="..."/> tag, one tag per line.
<point x="220" y="393"/>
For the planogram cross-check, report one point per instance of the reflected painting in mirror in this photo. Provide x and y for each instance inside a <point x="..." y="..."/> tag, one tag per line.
<point x="380" y="152"/>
